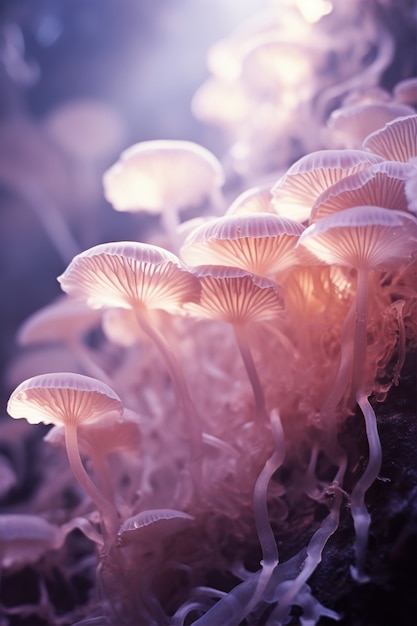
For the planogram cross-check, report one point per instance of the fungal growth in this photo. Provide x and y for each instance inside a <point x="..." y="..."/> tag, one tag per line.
<point x="225" y="447"/>
<point x="69" y="400"/>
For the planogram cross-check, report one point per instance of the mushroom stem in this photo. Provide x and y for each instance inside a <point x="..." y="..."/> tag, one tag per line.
<point x="338" y="389"/>
<point x="314" y="554"/>
<point x="110" y="517"/>
<point x="258" y="392"/>
<point x="170" y="221"/>
<point x="263" y="525"/>
<point x="180" y="385"/>
<point x="360" y="333"/>
<point x="360" y="514"/>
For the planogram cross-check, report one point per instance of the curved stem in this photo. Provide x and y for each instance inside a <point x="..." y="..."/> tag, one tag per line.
<point x="314" y="554"/>
<point x="260" y="505"/>
<point x="258" y="392"/>
<point x="360" y="514"/>
<point x="180" y="385"/>
<point x="106" y="508"/>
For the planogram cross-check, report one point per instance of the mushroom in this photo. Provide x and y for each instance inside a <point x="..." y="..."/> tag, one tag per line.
<point x="143" y="278"/>
<point x="397" y="141"/>
<point x="364" y="238"/>
<point x="65" y="321"/>
<point x="240" y="298"/>
<point x="252" y="201"/>
<point x="296" y="191"/>
<point x="350" y="125"/>
<point x="163" y="177"/>
<point x="68" y="400"/>
<point x="262" y="244"/>
<point x="405" y="91"/>
<point x="382" y="184"/>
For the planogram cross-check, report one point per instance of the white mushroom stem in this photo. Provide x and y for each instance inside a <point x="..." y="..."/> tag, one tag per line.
<point x="110" y="518"/>
<point x="180" y="385"/>
<point x="314" y="554"/>
<point x="170" y="222"/>
<point x="258" y="392"/>
<point x="360" y="515"/>
<point x="260" y="506"/>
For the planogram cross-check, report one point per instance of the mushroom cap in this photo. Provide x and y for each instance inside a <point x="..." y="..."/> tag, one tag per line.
<point x="63" y="398"/>
<point x="149" y="527"/>
<point x="59" y="321"/>
<point x="252" y="201"/>
<point x="236" y="296"/>
<point x="363" y="237"/>
<point x="352" y="124"/>
<point x="397" y="141"/>
<point x="130" y="275"/>
<point x="261" y="243"/>
<point x="382" y="184"/>
<point x="406" y="91"/>
<point x="297" y="190"/>
<point x="111" y="433"/>
<point x="160" y="175"/>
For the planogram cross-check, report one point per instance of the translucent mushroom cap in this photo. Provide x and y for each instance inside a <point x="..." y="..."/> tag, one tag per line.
<point x="406" y="91"/>
<point x="363" y="237"/>
<point x="352" y="124"/>
<point x="295" y="193"/>
<point x="397" y="141"/>
<point x="262" y="243"/>
<point x="161" y="174"/>
<point x="382" y="184"/>
<point x="58" y="321"/>
<point x="236" y="296"/>
<point x="130" y="275"/>
<point x="63" y="398"/>
<point x="252" y="201"/>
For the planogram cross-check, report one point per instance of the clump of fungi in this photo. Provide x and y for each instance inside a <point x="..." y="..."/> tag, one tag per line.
<point x="230" y="365"/>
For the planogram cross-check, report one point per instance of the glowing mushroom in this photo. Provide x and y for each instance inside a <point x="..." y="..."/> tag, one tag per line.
<point x="253" y="201"/>
<point x="382" y="184"/>
<point x="163" y="177"/>
<point x="397" y="141"/>
<point x="262" y="244"/>
<point x="363" y="238"/>
<point x="65" y="321"/>
<point x="143" y="278"/>
<point x="69" y="400"/>
<point x="240" y="298"/>
<point x="295" y="193"/>
<point x="406" y="91"/>
<point x="350" y="125"/>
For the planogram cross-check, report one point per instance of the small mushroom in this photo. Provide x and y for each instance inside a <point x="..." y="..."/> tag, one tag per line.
<point x="163" y="177"/>
<point x="382" y="184"/>
<point x="240" y="298"/>
<point x="68" y="400"/>
<point x="298" y="189"/>
<point x="396" y="141"/>
<point x="143" y="278"/>
<point x="350" y="125"/>
<point x="262" y="244"/>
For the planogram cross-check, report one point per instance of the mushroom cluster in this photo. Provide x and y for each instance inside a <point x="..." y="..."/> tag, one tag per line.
<point x="210" y="409"/>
